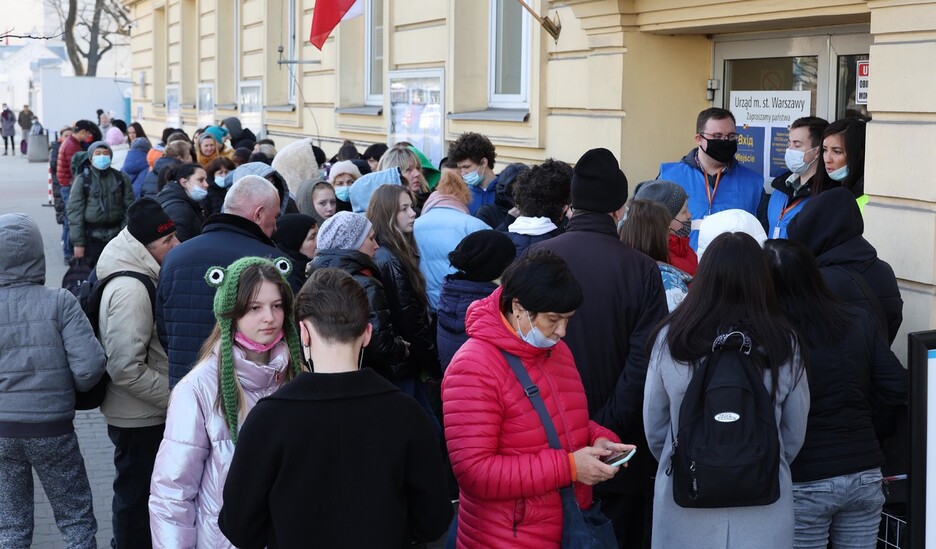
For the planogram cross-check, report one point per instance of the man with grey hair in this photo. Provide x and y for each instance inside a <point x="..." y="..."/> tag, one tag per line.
<point x="184" y="315"/>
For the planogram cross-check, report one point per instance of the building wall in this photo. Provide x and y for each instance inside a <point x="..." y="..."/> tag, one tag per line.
<point x="629" y="75"/>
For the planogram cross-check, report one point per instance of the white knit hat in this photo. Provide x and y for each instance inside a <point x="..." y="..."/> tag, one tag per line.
<point x="343" y="231"/>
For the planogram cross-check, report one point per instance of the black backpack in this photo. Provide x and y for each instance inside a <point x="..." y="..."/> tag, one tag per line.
<point x="727" y="451"/>
<point x="90" y="294"/>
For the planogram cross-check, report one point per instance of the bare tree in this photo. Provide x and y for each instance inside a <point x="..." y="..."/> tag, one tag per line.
<point x="90" y="29"/>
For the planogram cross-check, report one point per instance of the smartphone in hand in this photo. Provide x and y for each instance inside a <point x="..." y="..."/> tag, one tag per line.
<point x="616" y="460"/>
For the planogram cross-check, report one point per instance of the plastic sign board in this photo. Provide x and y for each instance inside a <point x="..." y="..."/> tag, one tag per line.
<point x="861" y="83"/>
<point x="763" y="119"/>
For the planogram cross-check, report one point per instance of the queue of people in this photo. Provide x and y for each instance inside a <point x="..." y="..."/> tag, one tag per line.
<point x="327" y="352"/>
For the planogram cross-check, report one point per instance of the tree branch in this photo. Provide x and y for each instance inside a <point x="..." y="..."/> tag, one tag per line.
<point x="9" y="34"/>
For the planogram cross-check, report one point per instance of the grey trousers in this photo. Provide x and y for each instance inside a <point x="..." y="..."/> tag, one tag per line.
<point x="60" y="468"/>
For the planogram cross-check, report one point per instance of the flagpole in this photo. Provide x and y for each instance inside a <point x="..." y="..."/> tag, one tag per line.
<point x="553" y="28"/>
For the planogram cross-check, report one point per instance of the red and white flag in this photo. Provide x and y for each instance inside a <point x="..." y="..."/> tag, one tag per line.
<point x="326" y="16"/>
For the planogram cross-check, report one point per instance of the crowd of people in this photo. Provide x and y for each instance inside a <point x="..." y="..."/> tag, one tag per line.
<point x="297" y="349"/>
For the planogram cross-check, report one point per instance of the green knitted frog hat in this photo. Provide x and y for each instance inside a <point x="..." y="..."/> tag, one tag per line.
<point x="226" y="281"/>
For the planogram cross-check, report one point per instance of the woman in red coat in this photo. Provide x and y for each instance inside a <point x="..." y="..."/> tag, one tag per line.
<point x="509" y="477"/>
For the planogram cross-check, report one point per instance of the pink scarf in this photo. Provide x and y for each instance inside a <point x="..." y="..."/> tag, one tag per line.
<point x="439" y="200"/>
<point x="253" y="346"/>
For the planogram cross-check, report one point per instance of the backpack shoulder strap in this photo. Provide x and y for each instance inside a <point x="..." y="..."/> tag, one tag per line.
<point x="144" y="279"/>
<point x="869" y="294"/>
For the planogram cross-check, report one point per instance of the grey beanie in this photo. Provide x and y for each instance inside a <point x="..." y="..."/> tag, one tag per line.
<point x="343" y="231"/>
<point x="667" y="193"/>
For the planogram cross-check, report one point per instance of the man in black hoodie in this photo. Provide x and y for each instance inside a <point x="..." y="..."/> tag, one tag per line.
<point x="240" y="136"/>
<point x="830" y="226"/>
<point x="624" y="301"/>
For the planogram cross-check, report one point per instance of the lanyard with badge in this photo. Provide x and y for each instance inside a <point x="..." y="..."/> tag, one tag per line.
<point x="710" y="191"/>
<point x="783" y="212"/>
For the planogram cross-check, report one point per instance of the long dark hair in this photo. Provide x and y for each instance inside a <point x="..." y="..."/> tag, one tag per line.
<point x="139" y="130"/>
<point x="816" y="314"/>
<point x="382" y="212"/>
<point x="646" y="229"/>
<point x="731" y="290"/>
<point x="852" y="131"/>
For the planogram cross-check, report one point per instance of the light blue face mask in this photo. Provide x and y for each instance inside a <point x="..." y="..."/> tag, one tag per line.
<point x="197" y="193"/>
<point x="101" y="162"/>
<point x="220" y="181"/>
<point x="343" y="193"/>
<point x="839" y="174"/>
<point x="535" y="337"/>
<point x="474" y="178"/>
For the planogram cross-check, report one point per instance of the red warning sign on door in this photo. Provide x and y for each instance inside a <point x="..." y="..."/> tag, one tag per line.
<point x="861" y="83"/>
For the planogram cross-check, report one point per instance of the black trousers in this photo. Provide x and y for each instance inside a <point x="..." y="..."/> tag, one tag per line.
<point x="134" y="457"/>
<point x="631" y="515"/>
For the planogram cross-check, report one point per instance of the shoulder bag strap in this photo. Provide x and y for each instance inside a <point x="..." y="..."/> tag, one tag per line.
<point x="532" y="392"/>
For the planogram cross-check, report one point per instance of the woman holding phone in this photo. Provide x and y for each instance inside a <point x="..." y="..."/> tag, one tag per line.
<point x="508" y="473"/>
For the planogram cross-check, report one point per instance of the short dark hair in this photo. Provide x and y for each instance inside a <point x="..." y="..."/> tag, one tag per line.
<point x="335" y="304"/>
<point x="348" y="151"/>
<point x="120" y="125"/>
<point x="448" y="163"/>
<point x="542" y="282"/>
<point x="714" y="113"/>
<point x="85" y="125"/>
<point x="543" y="190"/>
<point x="265" y="141"/>
<point x="472" y="146"/>
<point x="816" y="126"/>
<point x="217" y="164"/>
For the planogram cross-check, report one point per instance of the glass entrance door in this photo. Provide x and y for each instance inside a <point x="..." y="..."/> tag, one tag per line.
<point x="822" y="64"/>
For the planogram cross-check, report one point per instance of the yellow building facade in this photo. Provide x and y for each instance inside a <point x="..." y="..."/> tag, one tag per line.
<point x="628" y="75"/>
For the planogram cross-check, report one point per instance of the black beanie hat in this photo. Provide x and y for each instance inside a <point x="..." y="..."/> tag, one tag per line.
<point x="148" y="222"/>
<point x="598" y="184"/>
<point x="482" y="256"/>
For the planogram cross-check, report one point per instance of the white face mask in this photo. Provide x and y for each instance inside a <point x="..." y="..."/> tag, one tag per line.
<point x="197" y="193"/>
<point x="796" y="161"/>
<point x="535" y="337"/>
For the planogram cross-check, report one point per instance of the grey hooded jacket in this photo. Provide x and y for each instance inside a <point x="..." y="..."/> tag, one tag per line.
<point x="49" y="350"/>
<point x="266" y="172"/>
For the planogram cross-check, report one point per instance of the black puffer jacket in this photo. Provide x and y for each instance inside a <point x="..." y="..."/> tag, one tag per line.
<point x="454" y="300"/>
<point x="830" y="226"/>
<point x="185" y="212"/>
<point x="386" y="351"/>
<point x="495" y="214"/>
<point x="410" y="315"/>
<point x="853" y="383"/>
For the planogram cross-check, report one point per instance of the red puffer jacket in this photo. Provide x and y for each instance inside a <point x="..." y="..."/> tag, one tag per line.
<point x="508" y="475"/>
<point x="63" y="166"/>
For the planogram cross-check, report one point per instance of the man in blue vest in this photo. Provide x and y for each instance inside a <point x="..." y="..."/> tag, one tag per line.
<point x="792" y="188"/>
<point x="711" y="176"/>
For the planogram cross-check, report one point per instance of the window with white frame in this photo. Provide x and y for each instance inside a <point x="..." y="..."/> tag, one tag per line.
<point x="373" y="52"/>
<point x="509" y="60"/>
<point x="205" y="105"/>
<point x="250" y="106"/>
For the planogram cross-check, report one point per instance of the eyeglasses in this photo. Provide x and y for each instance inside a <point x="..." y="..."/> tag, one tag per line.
<point x="719" y="136"/>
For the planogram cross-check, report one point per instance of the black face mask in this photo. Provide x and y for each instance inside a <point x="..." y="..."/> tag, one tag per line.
<point x="721" y="150"/>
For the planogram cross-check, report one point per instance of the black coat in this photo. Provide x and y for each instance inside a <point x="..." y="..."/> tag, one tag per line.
<point x="410" y="316"/>
<point x="185" y="212"/>
<point x="335" y="460"/>
<point x="386" y="352"/>
<point x="184" y="300"/>
<point x="854" y="386"/>
<point x="215" y="198"/>
<point x="609" y="336"/>
<point x="830" y="226"/>
<point x="524" y="241"/>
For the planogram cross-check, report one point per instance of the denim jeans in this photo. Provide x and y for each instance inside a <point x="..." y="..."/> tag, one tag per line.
<point x="66" y="245"/>
<point x="839" y="512"/>
<point x="134" y="457"/>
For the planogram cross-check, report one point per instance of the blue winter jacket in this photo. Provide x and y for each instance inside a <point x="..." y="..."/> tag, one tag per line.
<point x="135" y="165"/>
<point x="184" y="313"/>
<point x="738" y="188"/>
<point x="781" y="198"/>
<point x="438" y="230"/>
<point x="454" y="300"/>
<point x="480" y="197"/>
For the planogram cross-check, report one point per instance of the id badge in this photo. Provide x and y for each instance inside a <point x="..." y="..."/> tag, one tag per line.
<point x="776" y="232"/>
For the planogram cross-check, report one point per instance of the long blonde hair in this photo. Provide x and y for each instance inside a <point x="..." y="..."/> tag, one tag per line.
<point x="401" y="157"/>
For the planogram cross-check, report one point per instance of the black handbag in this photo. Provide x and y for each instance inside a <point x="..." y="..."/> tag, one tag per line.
<point x="581" y="528"/>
